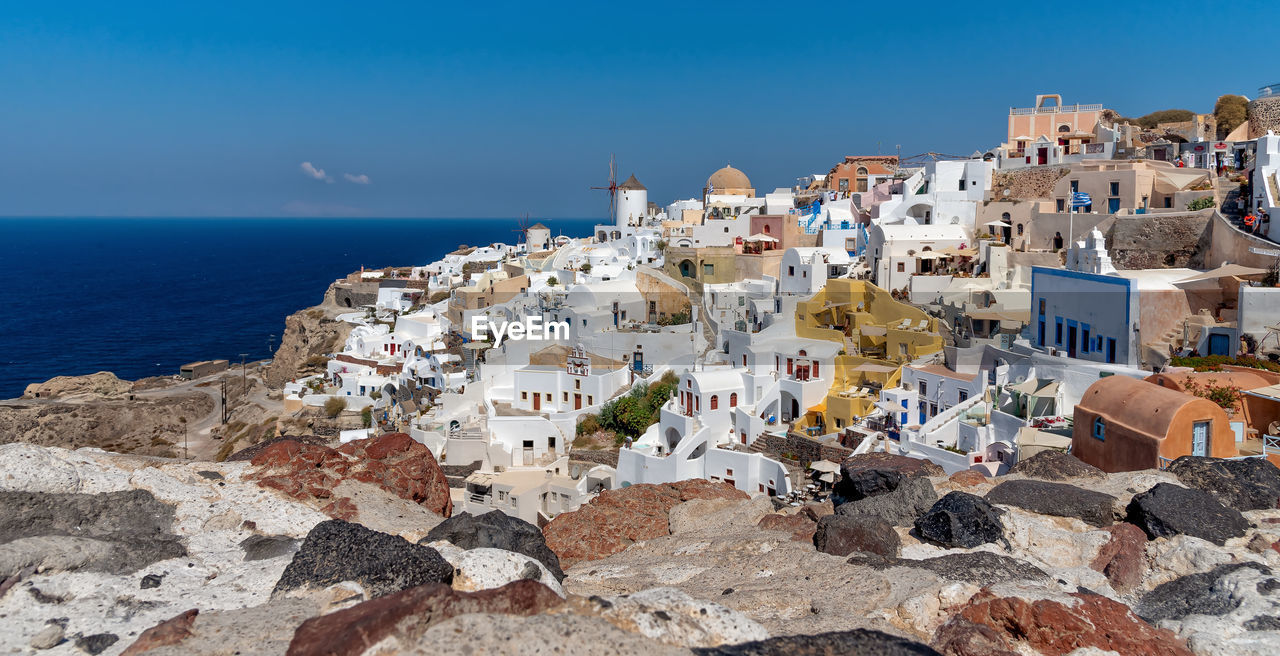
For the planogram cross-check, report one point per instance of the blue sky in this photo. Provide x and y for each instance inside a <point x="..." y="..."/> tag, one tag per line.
<point x="497" y="109"/>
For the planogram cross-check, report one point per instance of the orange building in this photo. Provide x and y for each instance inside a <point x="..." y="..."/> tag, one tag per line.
<point x="1065" y="125"/>
<point x="1125" y="424"/>
<point x="860" y="172"/>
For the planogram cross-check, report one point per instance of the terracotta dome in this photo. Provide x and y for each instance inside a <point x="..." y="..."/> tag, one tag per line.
<point x="728" y="178"/>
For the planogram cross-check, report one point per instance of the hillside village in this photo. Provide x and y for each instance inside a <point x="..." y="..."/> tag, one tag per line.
<point x="1022" y="401"/>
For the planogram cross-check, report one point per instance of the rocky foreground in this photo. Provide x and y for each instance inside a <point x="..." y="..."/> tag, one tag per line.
<point x="298" y="548"/>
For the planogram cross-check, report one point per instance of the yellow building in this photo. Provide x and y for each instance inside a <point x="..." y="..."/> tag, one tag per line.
<point x="878" y="335"/>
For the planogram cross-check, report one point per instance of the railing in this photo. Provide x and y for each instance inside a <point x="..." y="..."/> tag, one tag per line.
<point x="1269" y="90"/>
<point x="1163" y="462"/>
<point x="1064" y="109"/>
<point x="478" y="498"/>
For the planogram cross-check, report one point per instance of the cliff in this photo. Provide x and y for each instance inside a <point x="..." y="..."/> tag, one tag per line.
<point x="309" y="335"/>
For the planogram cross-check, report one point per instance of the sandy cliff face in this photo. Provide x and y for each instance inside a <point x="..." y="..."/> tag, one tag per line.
<point x="307" y="334"/>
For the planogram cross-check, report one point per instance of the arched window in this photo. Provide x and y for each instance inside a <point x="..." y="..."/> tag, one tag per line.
<point x="1005" y="217"/>
<point x="862" y="170"/>
<point x="733" y="400"/>
<point x="715" y="401"/>
<point x="1064" y="128"/>
<point x="802" y="353"/>
<point x="1099" y="429"/>
<point x="1019" y="228"/>
<point x="766" y="228"/>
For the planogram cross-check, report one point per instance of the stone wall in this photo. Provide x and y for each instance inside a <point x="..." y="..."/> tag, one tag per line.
<point x="1158" y="241"/>
<point x="801" y="448"/>
<point x="1264" y="114"/>
<point x="607" y="457"/>
<point x="1032" y="182"/>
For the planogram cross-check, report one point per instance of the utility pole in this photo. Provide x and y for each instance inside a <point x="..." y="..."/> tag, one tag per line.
<point x="224" y="400"/>
<point x="183" y="421"/>
<point x="244" y="389"/>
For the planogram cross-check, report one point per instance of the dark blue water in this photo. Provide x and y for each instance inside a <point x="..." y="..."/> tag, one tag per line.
<point x="141" y="297"/>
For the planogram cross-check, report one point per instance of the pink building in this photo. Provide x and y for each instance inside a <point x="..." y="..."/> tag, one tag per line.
<point x="1064" y="125"/>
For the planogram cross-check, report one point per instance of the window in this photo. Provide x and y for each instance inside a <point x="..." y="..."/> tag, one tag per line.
<point x="1085" y="342"/>
<point x="591" y="400"/>
<point x="733" y="400"/>
<point x="1115" y="188"/>
<point x="844" y="184"/>
<point x="524" y="396"/>
<point x="815" y="369"/>
<point x="548" y="397"/>
<point x="933" y="409"/>
<point x="790" y="366"/>
<point x="902" y="267"/>
<point x="577" y="384"/>
<point x="697" y="404"/>
<point x="1019" y="229"/>
<point x="1057" y="335"/>
<point x="924" y="388"/>
<point x="728" y="472"/>
<point x="962" y="181"/>
<point x="791" y="271"/>
<point x="1099" y="429"/>
<point x="715" y="401"/>
<point x="964" y="395"/>
<point x="1062" y="205"/>
<point x="566" y="397"/>
<point x="708" y="269"/>
<point x="1075" y="186"/>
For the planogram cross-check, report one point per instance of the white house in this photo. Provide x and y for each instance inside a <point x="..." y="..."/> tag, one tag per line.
<point x="895" y="252"/>
<point x="574" y="386"/>
<point x="805" y="270"/>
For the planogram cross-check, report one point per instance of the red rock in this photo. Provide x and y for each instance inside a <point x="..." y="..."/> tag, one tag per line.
<point x="1052" y="628"/>
<point x="1123" y="558"/>
<point x="615" y="519"/>
<point x="408" y="613"/>
<point x="394" y="462"/>
<point x="165" y="634"/>
<point x="800" y="526"/>
<point x="968" y="478"/>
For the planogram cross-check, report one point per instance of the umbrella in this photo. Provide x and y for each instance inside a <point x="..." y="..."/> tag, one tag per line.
<point x="760" y="237"/>
<point x="1224" y="271"/>
<point x="1001" y="224"/>
<point x="931" y="255"/>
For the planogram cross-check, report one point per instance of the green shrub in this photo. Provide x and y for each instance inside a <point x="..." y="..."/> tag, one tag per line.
<point x="1202" y="203"/>
<point x="366" y="417"/>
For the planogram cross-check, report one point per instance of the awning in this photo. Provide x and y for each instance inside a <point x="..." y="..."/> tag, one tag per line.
<point x="931" y="255"/>
<point x="827" y="477"/>
<point x="1037" y="387"/>
<point x="1269" y="392"/>
<point x="967" y="252"/>
<point x="1173" y="179"/>
<point x="1000" y="224"/>
<point x="760" y="237"/>
<point x="824" y="466"/>
<point x="1224" y="271"/>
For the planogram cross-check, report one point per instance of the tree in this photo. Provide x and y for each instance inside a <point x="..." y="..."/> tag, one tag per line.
<point x="1230" y="111"/>
<point x="586" y="267"/>
<point x="553" y="281"/>
<point x="366" y="416"/>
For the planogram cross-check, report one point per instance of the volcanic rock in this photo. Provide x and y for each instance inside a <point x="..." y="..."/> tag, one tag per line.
<point x="393" y="462"/>
<point x="168" y="633"/>
<point x="800" y="525"/>
<point x="1167" y="510"/>
<point x="905" y="465"/>
<point x="403" y="616"/>
<point x="861" y="641"/>
<point x="337" y="551"/>
<point x="670" y="616"/>
<point x="960" y="519"/>
<point x="1247" y="484"/>
<point x="616" y="519"/>
<point x="1192" y="594"/>
<point x="841" y="535"/>
<point x="1058" y="499"/>
<point x="497" y="530"/>
<point x="1123" y="558"/>
<point x="968" y="478"/>
<point x="980" y="567"/>
<point x="900" y="507"/>
<point x="1008" y="625"/>
<point x="117" y="532"/>
<point x="1055" y="466"/>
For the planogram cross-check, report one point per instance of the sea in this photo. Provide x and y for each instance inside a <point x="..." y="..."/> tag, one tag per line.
<point x="141" y="297"/>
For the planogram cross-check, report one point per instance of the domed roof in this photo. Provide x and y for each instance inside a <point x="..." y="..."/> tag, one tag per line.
<point x="728" y="178"/>
<point x="632" y="184"/>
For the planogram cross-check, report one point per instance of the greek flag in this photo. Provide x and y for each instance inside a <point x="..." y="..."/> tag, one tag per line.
<point x="1080" y="199"/>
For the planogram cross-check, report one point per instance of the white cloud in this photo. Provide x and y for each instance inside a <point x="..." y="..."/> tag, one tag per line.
<point x="361" y="179"/>
<point x="313" y="172"/>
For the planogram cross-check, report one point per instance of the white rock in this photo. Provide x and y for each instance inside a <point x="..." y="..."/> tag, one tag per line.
<point x="673" y="617"/>
<point x="484" y="568"/>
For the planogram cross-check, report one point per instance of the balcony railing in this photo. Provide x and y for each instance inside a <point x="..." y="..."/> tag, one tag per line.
<point x="1064" y="109"/>
<point x="1269" y="90"/>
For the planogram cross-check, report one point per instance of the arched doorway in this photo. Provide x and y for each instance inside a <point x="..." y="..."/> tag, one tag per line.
<point x="686" y="268"/>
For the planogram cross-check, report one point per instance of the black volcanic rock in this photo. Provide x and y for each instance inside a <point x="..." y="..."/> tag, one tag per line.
<point x="1193" y="594"/>
<point x="1246" y="484"/>
<point x="1058" y="499"/>
<point x="1055" y="466"/>
<point x="1167" y="510"/>
<point x="862" y="642"/>
<point x="901" y="506"/>
<point x="337" y="551"/>
<point x="961" y="519"/>
<point x="496" y="530"/>
<point x="980" y="567"/>
<point x="841" y="535"/>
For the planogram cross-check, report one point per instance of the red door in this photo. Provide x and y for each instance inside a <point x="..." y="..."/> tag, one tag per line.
<point x="537" y="401"/>
<point x="577" y="401"/>
<point x="1042" y="156"/>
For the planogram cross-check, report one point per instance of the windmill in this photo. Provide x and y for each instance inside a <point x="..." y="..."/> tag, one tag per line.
<point x="523" y="230"/>
<point x="613" y="188"/>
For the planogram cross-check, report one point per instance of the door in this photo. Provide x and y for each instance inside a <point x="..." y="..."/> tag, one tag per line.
<point x="528" y="452"/>
<point x="1219" y="344"/>
<point x="1111" y="349"/>
<point x="1042" y="156"/>
<point x="537" y="401"/>
<point x="1200" y="439"/>
<point x="577" y="401"/>
<point x="1071" y="341"/>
